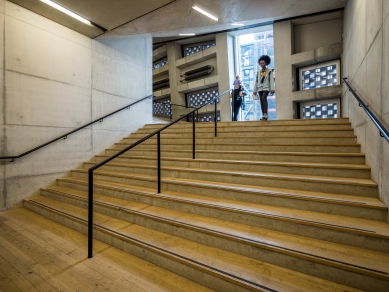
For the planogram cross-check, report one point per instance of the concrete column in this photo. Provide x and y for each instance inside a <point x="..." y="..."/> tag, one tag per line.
<point x="225" y="65"/>
<point x="283" y="49"/>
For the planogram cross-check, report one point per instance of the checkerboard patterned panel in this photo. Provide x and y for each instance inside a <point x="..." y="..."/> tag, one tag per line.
<point x="205" y="117"/>
<point x="319" y="77"/>
<point x="195" y="49"/>
<point x="320" y="111"/>
<point x="198" y="98"/>
<point x="160" y="63"/>
<point x="162" y="108"/>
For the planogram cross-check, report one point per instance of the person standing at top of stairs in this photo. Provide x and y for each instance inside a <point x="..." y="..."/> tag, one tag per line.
<point x="236" y="98"/>
<point x="264" y="83"/>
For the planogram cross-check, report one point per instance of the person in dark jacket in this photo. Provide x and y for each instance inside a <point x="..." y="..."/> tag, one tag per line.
<point x="237" y="98"/>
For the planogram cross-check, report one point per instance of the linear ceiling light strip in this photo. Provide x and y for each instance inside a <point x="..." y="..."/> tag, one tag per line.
<point x="205" y="13"/>
<point x="66" y="11"/>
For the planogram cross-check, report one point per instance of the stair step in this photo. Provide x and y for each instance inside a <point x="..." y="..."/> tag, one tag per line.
<point x="346" y="205"/>
<point x="343" y="140"/>
<point x="254" y="128"/>
<point x="306" y="168"/>
<point x="338" y="204"/>
<point x="271" y="123"/>
<point x="313" y="157"/>
<point x="219" y="269"/>
<point x="243" y="134"/>
<point x="242" y="239"/>
<point x="346" y="148"/>
<point x="338" y="185"/>
<point x="356" y="232"/>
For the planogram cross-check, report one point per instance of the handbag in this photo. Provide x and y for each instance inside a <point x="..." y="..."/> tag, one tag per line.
<point x="255" y="96"/>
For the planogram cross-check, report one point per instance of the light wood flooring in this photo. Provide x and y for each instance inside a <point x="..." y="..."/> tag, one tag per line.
<point x="38" y="254"/>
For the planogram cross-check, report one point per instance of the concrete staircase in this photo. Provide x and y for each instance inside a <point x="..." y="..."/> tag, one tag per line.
<point x="266" y="206"/>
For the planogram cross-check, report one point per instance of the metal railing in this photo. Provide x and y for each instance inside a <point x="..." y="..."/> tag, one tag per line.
<point x="65" y="136"/>
<point x="383" y="131"/>
<point x="249" y="96"/>
<point x="158" y="133"/>
<point x="179" y="105"/>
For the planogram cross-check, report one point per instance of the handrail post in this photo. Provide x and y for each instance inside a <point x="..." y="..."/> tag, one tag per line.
<point x="90" y="213"/>
<point x="194" y="136"/>
<point x="159" y="160"/>
<point x="216" y="117"/>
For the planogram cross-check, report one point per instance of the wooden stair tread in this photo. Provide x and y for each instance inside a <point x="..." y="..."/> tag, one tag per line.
<point x="246" y="162"/>
<point x="329" y="221"/>
<point x="361" y="201"/>
<point x="336" y="121"/>
<point x="360" y="260"/>
<point x="219" y="143"/>
<point x="189" y="136"/>
<point x="281" y="176"/>
<point x="244" y="130"/>
<point x="262" y="152"/>
<point x="253" y="273"/>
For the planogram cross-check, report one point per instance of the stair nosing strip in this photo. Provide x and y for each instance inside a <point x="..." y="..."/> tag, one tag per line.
<point x="266" y="215"/>
<point x="276" y="176"/>
<point x="249" y="189"/>
<point x="261" y="244"/>
<point x="341" y="166"/>
<point x="346" y="154"/>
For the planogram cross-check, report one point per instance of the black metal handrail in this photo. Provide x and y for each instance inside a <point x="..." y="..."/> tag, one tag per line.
<point x="383" y="131"/>
<point x="71" y="132"/>
<point x="180" y="105"/>
<point x="158" y="133"/>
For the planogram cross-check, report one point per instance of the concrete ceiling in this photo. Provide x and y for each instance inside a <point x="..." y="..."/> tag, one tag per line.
<point x="166" y="19"/>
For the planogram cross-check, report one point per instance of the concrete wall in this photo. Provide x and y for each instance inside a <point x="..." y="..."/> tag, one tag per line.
<point x="366" y="65"/>
<point x="289" y="35"/>
<point x="318" y="34"/>
<point x="54" y="80"/>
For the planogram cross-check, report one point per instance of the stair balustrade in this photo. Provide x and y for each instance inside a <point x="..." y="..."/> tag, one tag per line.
<point x="155" y="133"/>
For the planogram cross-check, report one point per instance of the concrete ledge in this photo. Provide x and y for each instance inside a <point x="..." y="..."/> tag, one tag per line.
<point x="162" y="93"/>
<point x="164" y="70"/>
<point x="196" y="58"/>
<point x="205" y="83"/>
<point x="317" y="94"/>
<point x="317" y="55"/>
<point x="159" y="53"/>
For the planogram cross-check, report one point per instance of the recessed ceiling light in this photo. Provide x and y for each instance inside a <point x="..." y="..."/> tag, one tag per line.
<point x="205" y="13"/>
<point x="187" y="34"/>
<point x="237" y="24"/>
<point x="68" y="12"/>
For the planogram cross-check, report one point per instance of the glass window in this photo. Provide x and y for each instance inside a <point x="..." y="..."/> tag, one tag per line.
<point x="250" y="47"/>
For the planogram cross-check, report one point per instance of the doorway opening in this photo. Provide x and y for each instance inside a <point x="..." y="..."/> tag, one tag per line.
<point x="250" y="45"/>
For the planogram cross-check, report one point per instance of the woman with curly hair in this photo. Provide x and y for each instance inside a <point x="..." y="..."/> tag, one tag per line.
<point x="264" y="83"/>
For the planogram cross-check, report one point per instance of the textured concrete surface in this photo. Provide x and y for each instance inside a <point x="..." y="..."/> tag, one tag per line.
<point x="222" y="77"/>
<point x="289" y="41"/>
<point x="179" y="17"/>
<point x="366" y="30"/>
<point x="54" y="80"/>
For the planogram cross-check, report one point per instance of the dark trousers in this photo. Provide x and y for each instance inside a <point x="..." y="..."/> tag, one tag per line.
<point x="236" y="105"/>
<point x="263" y="98"/>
